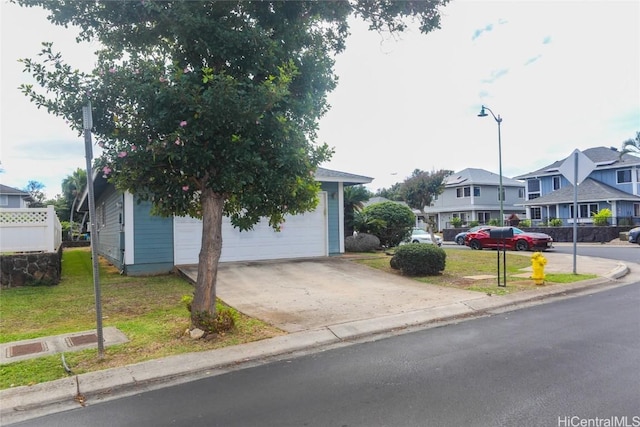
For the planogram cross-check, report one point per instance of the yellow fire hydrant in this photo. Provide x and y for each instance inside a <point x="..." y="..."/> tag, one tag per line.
<point x="538" y="262"/>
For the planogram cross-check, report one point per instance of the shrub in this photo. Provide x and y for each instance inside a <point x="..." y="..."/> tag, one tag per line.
<point x="602" y="217"/>
<point x="456" y="222"/>
<point x="417" y="259"/>
<point x="473" y="224"/>
<point x="525" y="223"/>
<point x="362" y="242"/>
<point x="494" y="221"/>
<point x="393" y="222"/>
<point x="555" y="222"/>
<point x="224" y="321"/>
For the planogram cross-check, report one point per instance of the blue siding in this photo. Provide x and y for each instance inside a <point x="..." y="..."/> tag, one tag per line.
<point x="109" y="225"/>
<point x="333" y="216"/>
<point x="153" y="241"/>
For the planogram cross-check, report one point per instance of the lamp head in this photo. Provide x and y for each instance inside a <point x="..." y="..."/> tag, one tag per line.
<point x="482" y="113"/>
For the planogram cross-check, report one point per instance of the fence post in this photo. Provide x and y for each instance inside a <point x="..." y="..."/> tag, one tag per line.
<point x="50" y="230"/>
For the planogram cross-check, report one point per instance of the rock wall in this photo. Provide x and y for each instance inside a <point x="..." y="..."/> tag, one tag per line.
<point x="30" y="269"/>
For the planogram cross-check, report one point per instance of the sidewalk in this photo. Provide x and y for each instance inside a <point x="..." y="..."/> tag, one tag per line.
<point x="441" y="305"/>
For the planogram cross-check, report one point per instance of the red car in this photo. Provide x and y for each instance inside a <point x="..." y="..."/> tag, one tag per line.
<point x="521" y="240"/>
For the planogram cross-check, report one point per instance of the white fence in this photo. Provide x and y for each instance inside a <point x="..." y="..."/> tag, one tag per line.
<point x="30" y="230"/>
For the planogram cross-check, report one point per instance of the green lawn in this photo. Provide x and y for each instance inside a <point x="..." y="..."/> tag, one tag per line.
<point x="149" y="311"/>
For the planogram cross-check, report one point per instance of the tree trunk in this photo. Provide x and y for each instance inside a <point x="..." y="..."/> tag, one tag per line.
<point x="204" y="300"/>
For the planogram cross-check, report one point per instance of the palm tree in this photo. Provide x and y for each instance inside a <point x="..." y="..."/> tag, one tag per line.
<point x="73" y="186"/>
<point x="354" y="199"/>
<point x="631" y="146"/>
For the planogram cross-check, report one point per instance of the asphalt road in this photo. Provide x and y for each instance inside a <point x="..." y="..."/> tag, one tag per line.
<point x="622" y="253"/>
<point x="564" y="363"/>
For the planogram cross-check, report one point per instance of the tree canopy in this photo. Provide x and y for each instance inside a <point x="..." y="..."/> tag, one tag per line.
<point x="210" y="108"/>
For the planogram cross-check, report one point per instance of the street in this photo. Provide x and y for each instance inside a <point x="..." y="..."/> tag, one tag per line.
<point x="554" y="364"/>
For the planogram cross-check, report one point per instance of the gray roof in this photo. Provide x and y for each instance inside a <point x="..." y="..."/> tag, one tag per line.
<point x="589" y="191"/>
<point x="10" y="191"/>
<point x="479" y="177"/>
<point x="603" y="157"/>
<point x="328" y="175"/>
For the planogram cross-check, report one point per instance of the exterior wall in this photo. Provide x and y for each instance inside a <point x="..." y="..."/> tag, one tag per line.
<point x="12" y="201"/>
<point x="109" y="220"/>
<point x="333" y="216"/>
<point x="153" y="242"/>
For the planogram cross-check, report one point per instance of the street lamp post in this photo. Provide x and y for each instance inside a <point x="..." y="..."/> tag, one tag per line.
<point x="498" y="120"/>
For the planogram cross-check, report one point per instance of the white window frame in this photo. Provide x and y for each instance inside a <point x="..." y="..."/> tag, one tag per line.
<point x="618" y="176"/>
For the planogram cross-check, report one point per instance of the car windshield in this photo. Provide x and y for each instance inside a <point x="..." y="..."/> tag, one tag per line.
<point x="419" y="231"/>
<point x="517" y="230"/>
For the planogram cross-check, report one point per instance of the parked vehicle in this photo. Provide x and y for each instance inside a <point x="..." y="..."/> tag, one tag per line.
<point x="459" y="239"/>
<point x="634" y="235"/>
<point x="418" y="235"/>
<point x="521" y="240"/>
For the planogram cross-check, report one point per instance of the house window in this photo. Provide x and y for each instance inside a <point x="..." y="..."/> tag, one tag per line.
<point x="623" y="176"/>
<point x="463" y="192"/>
<point x="484" y="217"/>
<point x="586" y="210"/>
<point x="502" y="193"/>
<point x="476" y="191"/>
<point x="520" y="193"/>
<point x="556" y="183"/>
<point x="636" y="209"/>
<point x="536" y="213"/>
<point x="4" y="200"/>
<point x="533" y="188"/>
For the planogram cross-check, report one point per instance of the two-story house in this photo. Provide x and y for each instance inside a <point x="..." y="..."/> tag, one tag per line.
<point x="13" y="198"/>
<point x="613" y="184"/>
<point x="473" y="195"/>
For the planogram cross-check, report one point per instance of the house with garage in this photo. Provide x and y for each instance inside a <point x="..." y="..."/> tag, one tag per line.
<point x="139" y="243"/>
<point x="614" y="184"/>
<point x="473" y="195"/>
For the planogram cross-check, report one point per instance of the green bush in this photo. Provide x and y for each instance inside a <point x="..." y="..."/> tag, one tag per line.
<point x="473" y="223"/>
<point x="525" y="223"/>
<point x="419" y="259"/>
<point x="391" y="222"/>
<point x="602" y="217"/>
<point x="555" y="222"/>
<point x="494" y="222"/>
<point x="362" y="242"/>
<point x="456" y="222"/>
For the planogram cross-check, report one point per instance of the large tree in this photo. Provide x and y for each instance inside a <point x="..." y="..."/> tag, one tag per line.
<point x="210" y="108"/>
<point x="420" y="189"/>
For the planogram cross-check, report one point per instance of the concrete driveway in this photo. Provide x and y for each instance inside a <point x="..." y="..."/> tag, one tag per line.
<point x="296" y="295"/>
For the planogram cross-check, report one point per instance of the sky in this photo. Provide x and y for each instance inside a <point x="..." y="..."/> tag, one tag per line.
<point x="562" y="75"/>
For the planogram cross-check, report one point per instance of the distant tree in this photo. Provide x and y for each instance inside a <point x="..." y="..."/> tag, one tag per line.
<point x="73" y="186"/>
<point x="354" y="198"/>
<point x="391" y="193"/>
<point x="631" y="146"/>
<point x="391" y="222"/>
<point x="420" y="189"/>
<point x="34" y="188"/>
<point x="210" y="108"/>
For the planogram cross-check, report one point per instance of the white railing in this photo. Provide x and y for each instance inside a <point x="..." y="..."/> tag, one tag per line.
<point x="30" y="230"/>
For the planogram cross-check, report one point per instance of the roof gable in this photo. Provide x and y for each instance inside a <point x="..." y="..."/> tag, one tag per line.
<point x="479" y="177"/>
<point x="603" y="157"/>
<point x="589" y="191"/>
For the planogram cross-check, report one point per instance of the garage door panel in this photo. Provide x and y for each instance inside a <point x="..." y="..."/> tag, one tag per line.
<point x="302" y="235"/>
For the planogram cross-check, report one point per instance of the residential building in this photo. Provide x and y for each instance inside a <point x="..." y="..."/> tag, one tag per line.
<point x="614" y="184"/>
<point x="473" y="195"/>
<point x="137" y="242"/>
<point x="13" y="198"/>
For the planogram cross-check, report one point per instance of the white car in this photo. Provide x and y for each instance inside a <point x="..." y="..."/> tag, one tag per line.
<point x="418" y="235"/>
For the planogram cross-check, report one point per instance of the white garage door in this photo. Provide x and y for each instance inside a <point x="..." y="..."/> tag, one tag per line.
<point x="301" y="236"/>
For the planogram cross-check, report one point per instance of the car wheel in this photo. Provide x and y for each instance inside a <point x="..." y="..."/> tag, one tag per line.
<point x="475" y="245"/>
<point x="522" y="245"/>
<point x="460" y="240"/>
<point x="416" y="241"/>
